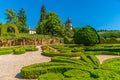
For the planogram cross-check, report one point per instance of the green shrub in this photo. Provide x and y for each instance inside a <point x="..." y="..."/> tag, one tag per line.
<point x="65" y="50"/>
<point x="49" y="51"/>
<point x="76" y="49"/>
<point x="87" y="36"/>
<point x="77" y="73"/>
<point x="33" y="71"/>
<point x="87" y="60"/>
<point x="68" y="40"/>
<point x="19" y="50"/>
<point x="30" y="48"/>
<point x="51" y="76"/>
<point x="5" y="51"/>
<point x="102" y="74"/>
<point x="86" y="68"/>
<point x="68" y="60"/>
<point x="94" y="60"/>
<point x="112" y="64"/>
<point x="70" y="78"/>
<point x="102" y="53"/>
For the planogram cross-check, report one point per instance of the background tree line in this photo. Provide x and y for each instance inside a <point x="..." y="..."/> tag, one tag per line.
<point x="19" y="19"/>
<point x="50" y="24"/>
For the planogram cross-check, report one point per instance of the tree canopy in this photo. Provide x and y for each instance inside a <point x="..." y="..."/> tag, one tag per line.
<point x="43" y="13"/>
<point x="10" y="16"/>
<point x="18" y="19"/>
<point x="51" y="25"/>
<point x="86" y="35"/>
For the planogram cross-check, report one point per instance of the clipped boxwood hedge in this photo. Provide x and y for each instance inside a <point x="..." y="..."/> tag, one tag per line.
<point x="6" y="51"/>
<point x="51" y="76"/>
<point x="49" y="51"/>
<point x="33" y="71"/>
<point x="99" y="49"/>
<point x="87" y="67"/>
<point x="19" y="50"/>
<point x="30" y="48"/>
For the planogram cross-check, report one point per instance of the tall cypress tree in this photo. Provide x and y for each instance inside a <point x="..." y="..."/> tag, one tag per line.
<point x="43" y="13"/>
<point x="40" y="25"/>
<point x="22" y="19"/>
<point x="22" y="16"/>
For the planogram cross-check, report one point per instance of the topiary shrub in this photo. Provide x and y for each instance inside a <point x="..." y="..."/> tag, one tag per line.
<point x="5" y="26"/>
<point x="87" y="36"/>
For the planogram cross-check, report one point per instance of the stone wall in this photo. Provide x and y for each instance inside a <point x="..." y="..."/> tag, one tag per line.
<point x="12" y="42"/>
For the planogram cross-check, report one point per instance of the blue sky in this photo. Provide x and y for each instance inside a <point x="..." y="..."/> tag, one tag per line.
<point x="100" y="14"/>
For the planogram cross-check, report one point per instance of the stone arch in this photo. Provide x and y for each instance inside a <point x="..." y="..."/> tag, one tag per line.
<point x="5" y="26"/>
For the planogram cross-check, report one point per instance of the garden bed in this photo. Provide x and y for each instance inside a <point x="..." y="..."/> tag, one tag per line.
<point x="74" y="50"/>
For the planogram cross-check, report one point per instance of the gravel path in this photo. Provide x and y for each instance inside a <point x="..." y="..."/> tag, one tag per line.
<point x="104" y="57"/>
<point x="10" y="65"/>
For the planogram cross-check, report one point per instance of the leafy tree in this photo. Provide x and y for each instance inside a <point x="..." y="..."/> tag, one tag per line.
<point x="40" y="28"/>
<point x="53" y="22"/>
<point x="76" y="29"/>
<point x="51" y="25"/>
<point x="86" y="35"/>
<point x="43" y="13"/>
<point x="21" y="21"/>
<point x="22" y="16"/>
<point x="69" y="33"/>
<point x="10" y="15"/>
<point x="0" y="26"/>
<point x="1" y="23"/>
<point x="61" y="30"/>
<point x="11" y="18"/>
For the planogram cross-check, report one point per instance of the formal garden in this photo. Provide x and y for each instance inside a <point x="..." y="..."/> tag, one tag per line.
<point x="72" y="50"/>
<point x="87" y="67"/>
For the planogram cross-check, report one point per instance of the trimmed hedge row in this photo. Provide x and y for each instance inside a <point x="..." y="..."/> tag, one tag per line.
<point x="35" y="71"/>
<point x="112" y="64"/>
<point x="68" y="60"/>
<point x="30" y="48"/>
<point x="17" y="50"/>
<point x="107" y="49"/>
<point x="77" y="73"/>
<point x="64" y="68"/>
<point x="51" y="76"/>
<point x="6" y="51"/>
<point x="49" y="51"/>
<point x="102" y="53"/>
